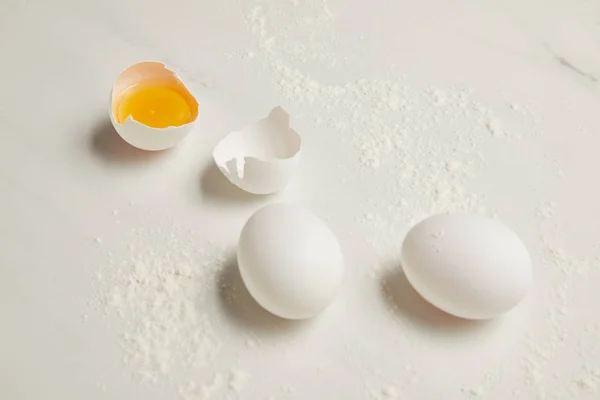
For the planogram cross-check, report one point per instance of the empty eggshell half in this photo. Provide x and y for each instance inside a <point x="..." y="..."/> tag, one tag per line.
<point x="262" y="157"/>
<point x="135" y="133"/>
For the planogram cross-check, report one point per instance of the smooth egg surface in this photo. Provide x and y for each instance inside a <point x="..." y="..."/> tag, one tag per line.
<point x="467" y="265"/>
<point x="290" y="261"/>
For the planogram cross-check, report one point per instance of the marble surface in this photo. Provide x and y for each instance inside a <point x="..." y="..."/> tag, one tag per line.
<point x="71" y="191"/>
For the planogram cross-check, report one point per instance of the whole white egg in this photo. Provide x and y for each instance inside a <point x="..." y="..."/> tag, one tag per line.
<point x="467" y="265"/>
<point x="290" y="261"/>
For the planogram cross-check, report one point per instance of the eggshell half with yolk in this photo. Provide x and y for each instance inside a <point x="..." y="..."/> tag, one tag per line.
<point x="138" y="134"/>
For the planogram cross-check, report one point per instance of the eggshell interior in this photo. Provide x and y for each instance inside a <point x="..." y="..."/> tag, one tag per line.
<point x="262" y="157"/>
<point x="136" y="133"/>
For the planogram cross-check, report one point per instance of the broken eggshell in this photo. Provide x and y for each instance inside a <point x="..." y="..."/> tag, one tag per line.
<point x="140" y="135"/>
<point x="262" y="157"/>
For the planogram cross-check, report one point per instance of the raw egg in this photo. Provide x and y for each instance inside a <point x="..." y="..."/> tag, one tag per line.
<point x="151" y="108"/>
<point x="290" y="261"/>
<point x="156" y="105"/>
<point x="467" y="265"/>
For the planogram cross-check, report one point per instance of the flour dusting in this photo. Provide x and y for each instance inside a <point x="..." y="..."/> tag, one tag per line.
<point x="156" y="287"/>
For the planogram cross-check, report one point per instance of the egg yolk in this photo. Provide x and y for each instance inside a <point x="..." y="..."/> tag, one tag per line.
<point x="155" y="106"/>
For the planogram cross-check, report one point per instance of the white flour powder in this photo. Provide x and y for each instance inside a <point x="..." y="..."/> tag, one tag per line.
<point x="421" y="146"/>
<point x="157" y="287"/>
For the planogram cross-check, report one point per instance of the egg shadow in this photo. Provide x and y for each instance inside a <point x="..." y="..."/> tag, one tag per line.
<point x="107" y="145"/>
<point x="404" y="300"/>
<point x="239" y="306"/>
<point x="216" y="188"/>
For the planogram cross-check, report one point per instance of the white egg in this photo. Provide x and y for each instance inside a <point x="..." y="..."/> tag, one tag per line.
<point x="290" y="261"/>
<point x="467" y="265"/>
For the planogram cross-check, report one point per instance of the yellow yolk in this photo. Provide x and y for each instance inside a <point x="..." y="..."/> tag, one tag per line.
<point x="155" y="106"/>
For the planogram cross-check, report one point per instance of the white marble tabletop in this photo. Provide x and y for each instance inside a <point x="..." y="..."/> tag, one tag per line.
<point x="406" y="108"/>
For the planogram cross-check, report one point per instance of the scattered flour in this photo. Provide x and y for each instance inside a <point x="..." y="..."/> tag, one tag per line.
<point x="251" y="343"/>
<point x="590" y="380"/>
<point x="205" y="391"/>
<point x="101" y="386"/>
<point x="546" y="209"/>
<point x="238" y="380"/>
<point x="515" y="106"/>
<point x="157" y="288"/>
<point x="425" y="141"/>
<point x="388" y="392"/>
<point x="494" y="127"/>
<point x="475" y="392"/>
<point x="566" y="263"/>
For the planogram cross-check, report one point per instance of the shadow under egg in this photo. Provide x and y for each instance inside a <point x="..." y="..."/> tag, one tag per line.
<point x="239" y="306"/>
<point x="408" y="304"/>
<point x="106" y="144"/>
